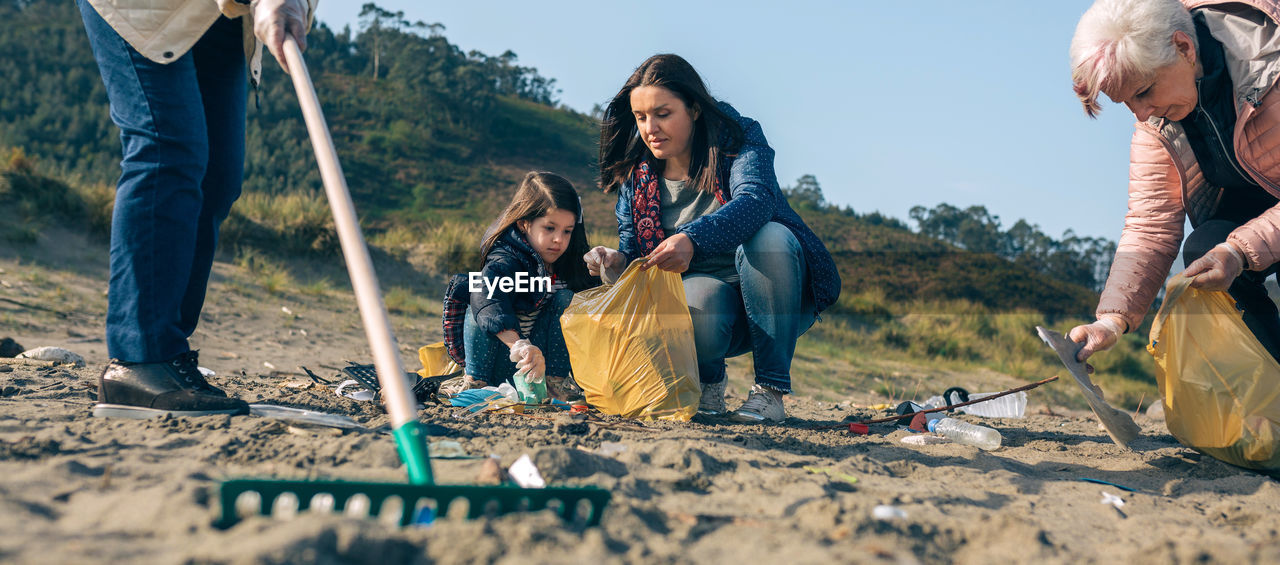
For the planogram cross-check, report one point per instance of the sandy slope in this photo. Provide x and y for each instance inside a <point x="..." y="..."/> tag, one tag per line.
<point x="78" y="489"/>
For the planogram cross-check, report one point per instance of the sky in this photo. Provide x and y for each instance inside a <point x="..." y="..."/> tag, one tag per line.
<point x="890" y="105"/>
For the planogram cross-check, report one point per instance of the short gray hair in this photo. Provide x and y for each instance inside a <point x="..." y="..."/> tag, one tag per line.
<point x="1119" y="39"/>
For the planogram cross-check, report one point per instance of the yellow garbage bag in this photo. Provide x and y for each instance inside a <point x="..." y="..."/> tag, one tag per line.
<point x="1221" y="388"/>
<point x="631" y="346"/>
<point x="435" y="361"/>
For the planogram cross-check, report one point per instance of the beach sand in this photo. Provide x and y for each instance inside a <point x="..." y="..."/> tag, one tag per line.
<point x="78" y="489"/>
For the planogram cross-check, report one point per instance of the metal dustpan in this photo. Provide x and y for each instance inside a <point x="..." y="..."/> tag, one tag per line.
<point x="421" y="498"/>
<point x="1118" y="424"/>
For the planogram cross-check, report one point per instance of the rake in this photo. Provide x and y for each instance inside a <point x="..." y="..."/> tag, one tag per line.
<point x="421" y="499"/>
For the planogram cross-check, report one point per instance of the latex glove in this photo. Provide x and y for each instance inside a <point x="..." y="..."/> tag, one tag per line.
<point x="605" y="263"/>
<point x="1098" y="336"/>
<point x="273" y="19"/>
<point x="528" y="360"/>
<point x="1217" y="269"/>
<point x="673" y="254"/>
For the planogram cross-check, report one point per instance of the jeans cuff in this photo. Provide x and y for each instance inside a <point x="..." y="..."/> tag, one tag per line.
<point x="776" y="384"/>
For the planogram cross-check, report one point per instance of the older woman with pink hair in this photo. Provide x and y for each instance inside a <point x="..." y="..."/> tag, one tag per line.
<point x="1199" y="77"/>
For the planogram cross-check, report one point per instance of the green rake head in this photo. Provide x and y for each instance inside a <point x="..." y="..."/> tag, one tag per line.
<point x="402" y="503"/>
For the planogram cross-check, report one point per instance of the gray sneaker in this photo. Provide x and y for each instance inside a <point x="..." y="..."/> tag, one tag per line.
<point x="762" y="405"/>
<point x="712" y="401"/>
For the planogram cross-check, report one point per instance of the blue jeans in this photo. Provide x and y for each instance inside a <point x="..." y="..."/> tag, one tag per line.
<point x="488" y="359"/>
<point x="765" y="313"/>
<point x="182" y="127"/>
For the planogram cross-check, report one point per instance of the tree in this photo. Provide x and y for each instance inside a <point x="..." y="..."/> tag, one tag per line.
<point x="376" y="21"/>
<point x="806" y="193"/>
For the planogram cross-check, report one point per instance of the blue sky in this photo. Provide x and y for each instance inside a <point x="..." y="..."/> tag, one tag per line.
<point x="889" y="104"/>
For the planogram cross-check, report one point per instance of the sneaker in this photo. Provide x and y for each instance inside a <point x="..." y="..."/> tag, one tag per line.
<point x="762" y="405"/>
<point x="712" y="401"/>
<point x="564" y="388"/>
<point x="147" y="390"/>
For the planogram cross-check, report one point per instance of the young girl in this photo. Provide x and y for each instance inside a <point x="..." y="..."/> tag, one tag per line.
<point x="512" y="323"/>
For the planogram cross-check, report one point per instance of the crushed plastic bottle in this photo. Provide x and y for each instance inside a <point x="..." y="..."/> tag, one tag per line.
<point x="530" y="393"/>
<point x="1008" y="406"/>
<point x="955" y="430"/>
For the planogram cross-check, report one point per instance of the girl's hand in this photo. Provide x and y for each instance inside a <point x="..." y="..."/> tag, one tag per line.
<point x="605" y="263"/>
<point x="673" y="254"/>
<point x="1217" y="269"/>
<point x="528" y="360"/>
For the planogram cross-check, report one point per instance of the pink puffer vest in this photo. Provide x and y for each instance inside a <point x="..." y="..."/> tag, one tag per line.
<point x="1165" y="182"/>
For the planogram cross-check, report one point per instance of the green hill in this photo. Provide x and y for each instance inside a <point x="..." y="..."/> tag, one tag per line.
<point x="432" y="147"/>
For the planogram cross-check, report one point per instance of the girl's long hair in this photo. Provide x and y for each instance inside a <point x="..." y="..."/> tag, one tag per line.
<point x="714" y="133"/>
<point x="539" y="193"/>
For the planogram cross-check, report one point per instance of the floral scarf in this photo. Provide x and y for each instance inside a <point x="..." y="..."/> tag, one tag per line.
<point x="646" y="207"/>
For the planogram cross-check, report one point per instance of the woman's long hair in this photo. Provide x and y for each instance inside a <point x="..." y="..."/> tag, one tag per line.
<point x="714" y="133"/>
<point x="539" y="193"/>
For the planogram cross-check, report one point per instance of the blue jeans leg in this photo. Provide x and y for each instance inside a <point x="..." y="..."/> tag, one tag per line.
<point x="547" y="335"/>
<point x="779" y="308"/>
<point x="487" y="357"/>
<point x="167" y="208"/>
<point x="719" y="324"/>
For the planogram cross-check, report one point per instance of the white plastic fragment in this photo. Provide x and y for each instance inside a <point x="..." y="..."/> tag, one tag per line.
<point x="610" y="448"/>
<point x="1108" y="498"/>
<point x="207" y="372"/>
<point x="886" y="512"/>
<point x="525" y="473"/>
<point x="362" y="394"/>
<point x="55" y="354"/>
<point x="924" y="439"/>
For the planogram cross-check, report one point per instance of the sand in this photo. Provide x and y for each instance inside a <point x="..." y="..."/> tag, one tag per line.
<point x="80" y="489"/>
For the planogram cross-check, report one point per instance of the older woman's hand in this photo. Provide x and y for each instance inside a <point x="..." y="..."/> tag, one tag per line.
<point x="673" y="254"/>
<point x="1098" y="336"/>
<point x="1217" y="269"/>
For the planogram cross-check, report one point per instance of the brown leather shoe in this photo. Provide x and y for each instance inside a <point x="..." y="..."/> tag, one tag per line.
<point x="146" y="390"/>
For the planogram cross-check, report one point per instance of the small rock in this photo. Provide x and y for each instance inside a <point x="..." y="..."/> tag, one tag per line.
<point x="571" y="424"/>
<point x="491" y="472"/>
<point x="10" y="348"/>
<point x="1156" y="410"/>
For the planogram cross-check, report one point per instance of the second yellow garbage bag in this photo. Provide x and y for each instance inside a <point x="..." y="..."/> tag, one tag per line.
<point x="1221" y="388"/>
<point x="631" y="346"/>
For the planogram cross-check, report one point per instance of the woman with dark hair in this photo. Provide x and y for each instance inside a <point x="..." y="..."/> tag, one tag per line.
<point x="697" y="195"/>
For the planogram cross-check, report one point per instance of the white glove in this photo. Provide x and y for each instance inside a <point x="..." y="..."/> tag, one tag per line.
<point x="605" y="263"/>
<point x="273" y="19"/>
<point x="1098" y="336"/>
<point x="528" y="360"/>
<point x="1217" y="269"/>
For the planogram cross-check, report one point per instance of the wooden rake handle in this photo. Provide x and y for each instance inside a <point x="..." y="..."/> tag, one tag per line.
<point x="400" y="402"/>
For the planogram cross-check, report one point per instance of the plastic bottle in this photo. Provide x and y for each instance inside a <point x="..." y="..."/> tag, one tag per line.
<point x="981" y="437"/>
<point x="1010" y="406"/>
<point x="530" y="393"/>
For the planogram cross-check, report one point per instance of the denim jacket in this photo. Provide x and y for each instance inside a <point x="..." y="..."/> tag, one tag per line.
<point x="755" y="200"/>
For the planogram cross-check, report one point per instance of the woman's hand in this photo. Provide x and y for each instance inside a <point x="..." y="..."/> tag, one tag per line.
<point x="1217" y="269"/>
<point x="528" y="360"/>
<point x="605" y="263"/>
<point x="1098" y="336"/>
<point x="673" y="254"/>
<point x="273" y="19"/>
